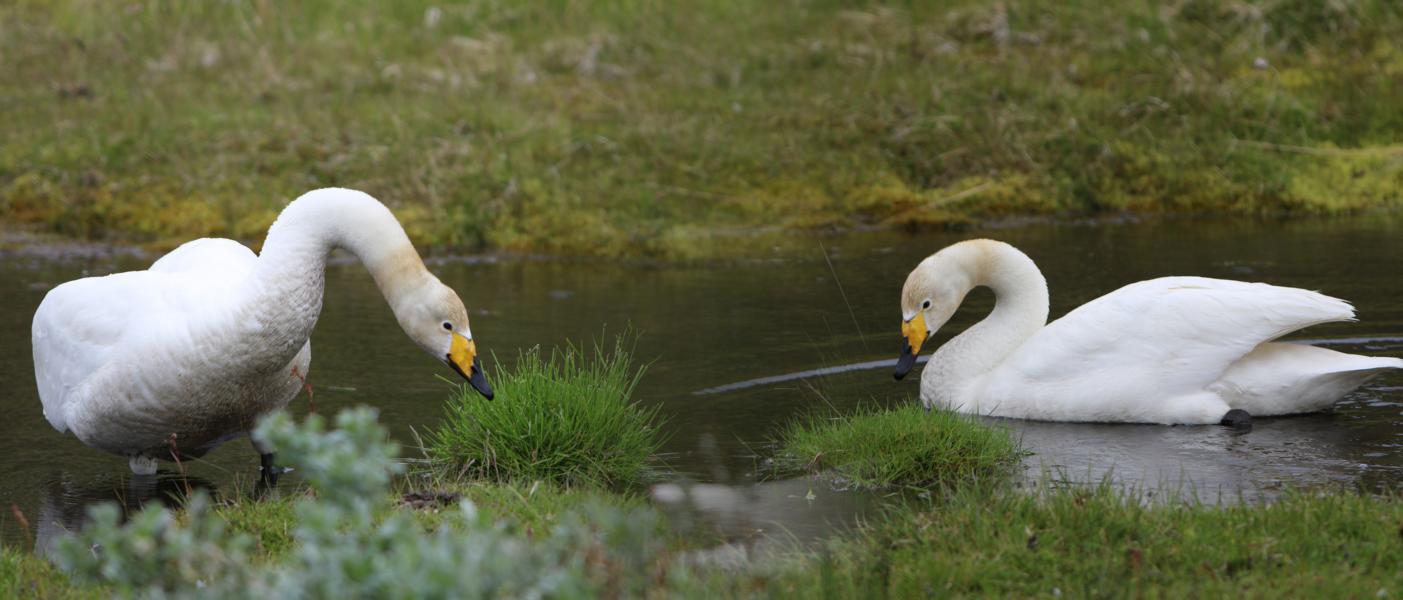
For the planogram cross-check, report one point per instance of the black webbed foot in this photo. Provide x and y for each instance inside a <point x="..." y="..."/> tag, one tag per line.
<point x="268" y="470"/>
<point x="1238" y="419"/>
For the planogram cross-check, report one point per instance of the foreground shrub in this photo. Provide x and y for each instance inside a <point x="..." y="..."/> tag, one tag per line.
<point x="902" y="447"/>
<point x="348" y="543"/>
<point x="567" y="418"/>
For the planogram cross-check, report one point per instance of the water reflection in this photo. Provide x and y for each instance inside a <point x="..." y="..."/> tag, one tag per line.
<point x="63" y="506"/>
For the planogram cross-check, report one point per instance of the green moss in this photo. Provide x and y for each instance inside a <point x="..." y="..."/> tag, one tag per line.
<point x="532" y="506"/>
<point x="1347" y="182"/>
<point x="901" y="447"/>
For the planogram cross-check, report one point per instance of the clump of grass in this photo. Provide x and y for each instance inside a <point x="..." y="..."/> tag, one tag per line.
<point x="901" y="447"/>
<point x="566" y="417"/>
<point x="1099" y="542"/>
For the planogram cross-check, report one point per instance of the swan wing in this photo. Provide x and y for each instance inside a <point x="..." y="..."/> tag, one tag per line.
<point x="82" y="325"/>
<point x="1171" y="336"/>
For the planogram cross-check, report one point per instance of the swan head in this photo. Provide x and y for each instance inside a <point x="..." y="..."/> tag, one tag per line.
<point x="932" y="293"/>
<point x="436" y="319"/>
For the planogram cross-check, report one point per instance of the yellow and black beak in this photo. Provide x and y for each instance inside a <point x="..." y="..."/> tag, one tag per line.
<point x="913" y="333"/>
<point x="462" y="356"/>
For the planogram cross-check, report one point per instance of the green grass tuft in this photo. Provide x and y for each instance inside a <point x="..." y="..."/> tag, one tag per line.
<point x="567" y="418"/>
<point x="902" y="447"/>
<point x="1099" y="542"/>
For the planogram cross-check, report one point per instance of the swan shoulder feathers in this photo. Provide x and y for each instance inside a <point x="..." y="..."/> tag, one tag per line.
<point x="1161" y="338"/>
<point x="84" y="324"/>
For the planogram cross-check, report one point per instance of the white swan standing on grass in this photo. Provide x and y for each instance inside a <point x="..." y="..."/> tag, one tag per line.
<point x="169" y="362"/>
<point x="1174" y="350"/>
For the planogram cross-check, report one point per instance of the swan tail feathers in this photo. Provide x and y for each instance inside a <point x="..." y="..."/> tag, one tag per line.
<point x="1301" y="309"/>
<point x="1283" y="379"/>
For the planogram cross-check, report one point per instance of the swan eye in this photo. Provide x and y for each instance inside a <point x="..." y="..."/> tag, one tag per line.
<point x="448" y="326"/>
<point x="924" y="306"/>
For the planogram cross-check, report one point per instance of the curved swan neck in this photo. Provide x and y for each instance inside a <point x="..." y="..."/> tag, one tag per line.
<point x="288" y="281"/>
<point x="1020" y="309"/>
<point x="1020" y="291"/>
<point x="322" y="220"/>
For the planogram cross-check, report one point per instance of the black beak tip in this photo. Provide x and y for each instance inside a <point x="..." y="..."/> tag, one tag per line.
<point x="475" y="376"/>
<point x="479" y="380"/>
<point x="904" y="364"/>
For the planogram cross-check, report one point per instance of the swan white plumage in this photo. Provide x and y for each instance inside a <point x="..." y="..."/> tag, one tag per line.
<point x="174" y="360"/>
<point x="1174" y="350"/>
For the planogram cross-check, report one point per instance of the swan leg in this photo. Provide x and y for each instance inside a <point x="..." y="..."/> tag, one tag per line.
<point x="268" y="470"/>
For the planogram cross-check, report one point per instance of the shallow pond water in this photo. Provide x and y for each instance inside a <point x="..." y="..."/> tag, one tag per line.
<point x="713" y="325"/>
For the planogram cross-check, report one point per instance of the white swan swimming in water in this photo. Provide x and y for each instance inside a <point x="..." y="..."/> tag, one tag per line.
<point x="174" y="360"/>
<point x="1174" y="350"/>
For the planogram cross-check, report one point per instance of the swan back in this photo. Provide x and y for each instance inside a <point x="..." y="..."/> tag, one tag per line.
<point x="1128" y="355"/>
<point x="83" y="325"/>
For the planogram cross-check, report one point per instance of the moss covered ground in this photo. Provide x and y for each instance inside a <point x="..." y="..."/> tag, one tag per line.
<point x="675" y="129"/>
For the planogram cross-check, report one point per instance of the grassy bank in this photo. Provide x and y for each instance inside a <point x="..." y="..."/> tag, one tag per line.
<point x="350" y="535"/>
<point x="626" y="128"/>
<point x="979" y="541"/>
<point x="906" y="446"/>
<point x="1102" y="543"/>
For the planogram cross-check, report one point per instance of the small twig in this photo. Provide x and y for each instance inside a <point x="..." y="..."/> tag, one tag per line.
<point x="682" y="191"/>
<point x="960" y="195"/>
<point x="23" y="522"/>
<point x="844" y="294"/>
<point x="1338" y="152"/>
<point x="175" y="455"/>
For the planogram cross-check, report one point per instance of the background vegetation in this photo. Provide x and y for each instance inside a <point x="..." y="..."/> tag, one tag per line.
<point x="670" y="129"/>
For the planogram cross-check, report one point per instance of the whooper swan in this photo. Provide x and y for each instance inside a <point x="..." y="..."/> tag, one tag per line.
<point x="170" y="362"/>
<point x="1174" y="350"/>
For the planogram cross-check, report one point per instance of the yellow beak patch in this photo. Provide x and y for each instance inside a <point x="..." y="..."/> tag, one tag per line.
<point x="915" y="332"/>
<point x="462" y="352"/>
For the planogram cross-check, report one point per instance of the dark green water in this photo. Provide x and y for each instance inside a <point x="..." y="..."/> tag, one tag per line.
<point x="711" y="325"/>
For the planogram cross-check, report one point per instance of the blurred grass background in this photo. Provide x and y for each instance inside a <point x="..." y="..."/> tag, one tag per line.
<point x="671" y="129"/>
